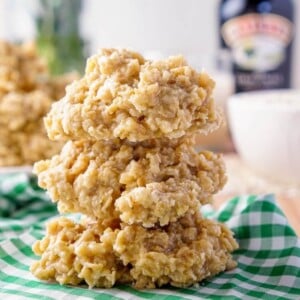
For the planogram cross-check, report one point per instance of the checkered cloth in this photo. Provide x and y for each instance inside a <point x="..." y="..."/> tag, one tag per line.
<point x="268" y="258"/>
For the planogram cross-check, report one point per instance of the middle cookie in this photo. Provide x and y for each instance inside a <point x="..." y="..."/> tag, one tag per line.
<point x="116" y="179"/>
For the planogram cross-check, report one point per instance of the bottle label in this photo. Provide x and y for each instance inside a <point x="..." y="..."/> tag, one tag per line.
<point x="258" y="41"/>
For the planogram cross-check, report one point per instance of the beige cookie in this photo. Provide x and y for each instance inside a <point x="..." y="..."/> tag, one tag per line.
<point x="20" y="67"/>
<point x="124" y="96"/>
<point x="180" y="254"/>
<point x="89" y="177"/>
<point x="73" y="253"/>
<point x="23" y="136"/>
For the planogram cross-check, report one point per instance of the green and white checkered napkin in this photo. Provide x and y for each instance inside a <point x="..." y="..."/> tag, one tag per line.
<point x="268" y="258"/>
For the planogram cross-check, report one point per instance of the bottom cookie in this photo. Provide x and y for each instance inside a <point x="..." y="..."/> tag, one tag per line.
<point x="180" y="254"/>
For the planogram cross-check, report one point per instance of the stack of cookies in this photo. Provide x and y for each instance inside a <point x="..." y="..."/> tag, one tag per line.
<point x="26" y="93"/>
<point x="130" y="168"/>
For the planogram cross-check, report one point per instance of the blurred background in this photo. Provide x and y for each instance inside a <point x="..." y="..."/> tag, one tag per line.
<point x="152" y="27"/>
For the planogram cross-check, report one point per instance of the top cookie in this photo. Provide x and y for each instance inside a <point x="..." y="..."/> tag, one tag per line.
<point x="124" y="96"/>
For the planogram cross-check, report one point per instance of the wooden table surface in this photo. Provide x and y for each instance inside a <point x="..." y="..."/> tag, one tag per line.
<point x="241" y="181"/>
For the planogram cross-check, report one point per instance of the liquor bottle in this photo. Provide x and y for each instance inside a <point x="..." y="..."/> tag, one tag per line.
<point x="259" y="36"/>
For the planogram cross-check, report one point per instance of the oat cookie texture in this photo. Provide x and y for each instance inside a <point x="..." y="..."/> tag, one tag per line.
<point x="129" y="166"/>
